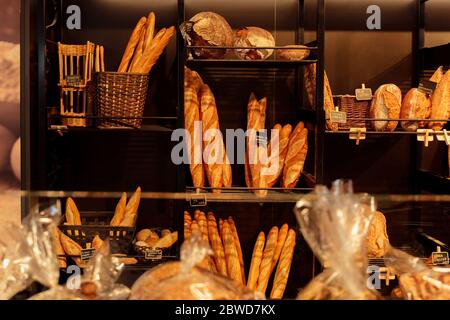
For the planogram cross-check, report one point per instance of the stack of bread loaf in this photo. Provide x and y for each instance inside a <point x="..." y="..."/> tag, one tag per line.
<point x="200" y="105"/>
<point x="228" y="258"/>
<point x="415" y="106"/>
<point x="144" y="48"/>
<point x="150" y="238"/>
<point x="124" y="216"/>
<point x="286" y="155"/>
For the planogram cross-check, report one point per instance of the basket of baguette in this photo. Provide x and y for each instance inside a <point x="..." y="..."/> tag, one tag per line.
<point x="85" y="231"/>
<point x="121" y="95"/>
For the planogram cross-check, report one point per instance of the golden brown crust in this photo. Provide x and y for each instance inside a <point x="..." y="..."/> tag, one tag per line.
<point x="282" y="235"/>
<point x="210" y="120"/>
<point x="119" y="213"/>
<point x="238" y="247"/>
<point x="284" y="266"/>
<point x="231" y="255"/>
<point x="377" y="240"/>
<point x="59" y="250"/>
<point x="150" y="59"/>
<point x="328" y="103"/>
<point x="253" y="273"/>
<point x="440" y="103"/>
<point x="143" y="234"/>
<point x="216" y="244"/>
<point x="266" y="262"/>
<point x="282" y="147"/>
<point x="386" y="104"/>
<point x="293" y="52"/>
<point x="97" y="242"/>
<point x="132" y="43"/>
<point x="191" y="115"/>
<point x="150" y="30"/>
<point x="138" y="51"/>
<point x="296" y="156"/>
<point x="415" y="105"/>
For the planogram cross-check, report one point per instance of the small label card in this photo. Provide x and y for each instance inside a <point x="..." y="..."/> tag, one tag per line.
<point x="198" y="200"/>
<point x="87" y="254"/>
<point x="427" y="86"/>
<point x="363" y="94"/>
<point x="338" y="117"/>
<point x="439" y="258"/>
<point x="153" y="254"/>
<point x="73" y="80"/>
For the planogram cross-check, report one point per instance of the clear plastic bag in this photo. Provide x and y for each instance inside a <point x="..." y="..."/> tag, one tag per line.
<point x="417" y="281"/>
<point x="335" y="224"/>
<point x="184" y="280"/>
<point x="97" y="283"/>
<point x="27" y="253"/>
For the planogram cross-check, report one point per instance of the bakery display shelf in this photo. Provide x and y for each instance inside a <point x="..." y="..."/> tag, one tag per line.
<point x="236" y="63"/>
<point x="61" y="129"/>
<point x="432" y="182"/>
<point x="383" y="133"/>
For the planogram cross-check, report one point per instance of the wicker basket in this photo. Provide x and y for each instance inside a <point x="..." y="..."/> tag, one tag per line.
<point x="355" y="110"/>
<point x="121" y="95"/>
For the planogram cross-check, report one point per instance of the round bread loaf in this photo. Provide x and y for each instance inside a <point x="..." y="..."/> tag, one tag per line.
<point x="415" y="105"/>
<point x="386" y="104"/>
<point x="210" y="29"/>
<point x="253" y="37"/>
<point x="293" y="52"/>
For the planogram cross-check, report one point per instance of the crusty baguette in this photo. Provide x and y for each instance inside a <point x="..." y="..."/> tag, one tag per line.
<point x="256" y="115"/>
<point x="212" y="145"/>
<point x="192" y="79"/>
<point x="278" y="151"/>
<point x="138" y="51"/>
<point x="72" y="214"/>
<point x="253" y="273"/>
<point x="187" y="225"/>
<point x="231" y="255"/>
<point x="195" y="229"/>
<point x="437" y="75"/>
<point x="191" y="117"/>
<point x="282" y="234"/>
<point x="149" y="60"/>
<point x="119" y="213"/>
<point x="221" y="228"/>
<point x="150" y="29"/>
<point x="217" y="246"/>
<point x="131" y="209"/>
<point x="284" y="266"/>
<point x="266" y="262"/>
<point x="203" y="225"/>
<point x="440" y="103"/>
<point x="139" y="66"/>
<point x="227" y="179"/>
<point x="296" y="156"/>
<point x="59" y="250"/>
<point x="132" y="43"/>
<point x="72" y="249"/>
<point x="238" y="247"/>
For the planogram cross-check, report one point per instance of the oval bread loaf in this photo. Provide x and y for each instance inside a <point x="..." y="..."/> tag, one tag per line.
<point x="415" y="105"/>
<point x="386" y="104"/>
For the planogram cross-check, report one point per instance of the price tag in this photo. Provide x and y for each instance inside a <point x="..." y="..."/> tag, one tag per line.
<point x="73" y="80"/>
<point x="427" y="86"/>
<point x="363" y="94"/>
<point x="87" y="254"/>
<point x="198" y="200"/>
<point x="439" y="258"/>
<point x="338" y="117"/>
<point x="153" y="254"/>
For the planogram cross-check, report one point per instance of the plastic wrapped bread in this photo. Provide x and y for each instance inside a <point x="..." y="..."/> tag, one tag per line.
<point x="184" y="280"/>
<point x="335" y="223"/>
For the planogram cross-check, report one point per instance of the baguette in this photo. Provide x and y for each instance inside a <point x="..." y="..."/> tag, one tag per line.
<point x="221" y="228"/>
<point x="191" y="116"/>
<point x="72" y="249"/>
<point x="72" y="214"/>
<point x="238" y="247"/>
<point x="132" y="43"/>
<point x="150" y="60"/>
<point x="226" y="171"/>
<point x="195" y="228"/>
<point x="192" y="79"/>
<point x="256" y="261"/>
<point x="284" y="266"/>
<point x="167" y="241"/>
<point x="282" y="234"/>
<point x="97" y="242"/>
<point x="213" y="147"/>
<point x="187" y="225"/>
<point x="138" y="51"/>
<point x="278" y="151"/>
<point x="217" y="246"/>
<point x="266" y="262"/>
<point x="102" y="59"/>
<point x="295" y="157"/>
<point x="437" y="75"/>
<point x="131" y="209"/>
<point x="231" y="255"/>
<point x="138" y="67"/>
<point x="119" y="213"/>
<point x="150" y="30"/>
<point x="59" y="250"/>
<point x="203" y="225"/>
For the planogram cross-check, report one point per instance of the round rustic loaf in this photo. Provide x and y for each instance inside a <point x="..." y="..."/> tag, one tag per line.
<point x="415" y="105"/>
<point x="293" y="52"/>
<point x="253" y="37"/>
<point x="210" y="29"/>
<point x="377" y="239"/>
<point x="386" y="104"/>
